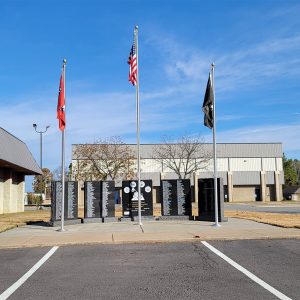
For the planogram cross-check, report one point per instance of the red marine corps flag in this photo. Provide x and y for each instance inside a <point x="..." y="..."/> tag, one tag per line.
<point x="61" y="115"/>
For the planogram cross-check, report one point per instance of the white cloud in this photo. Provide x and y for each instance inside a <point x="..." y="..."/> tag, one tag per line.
<point x="255" y="65"/>
<point x="288" y="135"/>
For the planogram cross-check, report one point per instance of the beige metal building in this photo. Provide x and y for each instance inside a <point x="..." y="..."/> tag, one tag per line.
<point x="16" y="161"/>
<point x="250" y="171"/>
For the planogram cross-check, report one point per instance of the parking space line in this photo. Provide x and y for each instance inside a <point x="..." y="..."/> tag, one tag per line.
<point x="246" y="272"/>
<point x="18" y="283"/>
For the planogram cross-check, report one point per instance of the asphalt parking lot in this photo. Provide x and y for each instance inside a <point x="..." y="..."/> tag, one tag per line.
<point x="185" y="270"/>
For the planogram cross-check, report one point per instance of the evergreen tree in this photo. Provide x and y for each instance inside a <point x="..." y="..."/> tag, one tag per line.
<point x="290" y="174"/>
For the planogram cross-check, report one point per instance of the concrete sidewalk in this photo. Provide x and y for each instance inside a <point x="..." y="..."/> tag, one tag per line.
<point x="150" y="231"/>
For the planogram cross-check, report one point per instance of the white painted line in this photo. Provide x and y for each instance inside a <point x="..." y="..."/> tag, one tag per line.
<point x="246" y="272"/>
<point x="18" y="283"/>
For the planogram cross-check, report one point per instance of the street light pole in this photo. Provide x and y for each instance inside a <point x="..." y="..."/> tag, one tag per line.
<point x="41" y="151"/>
<point x="41" y="142"/>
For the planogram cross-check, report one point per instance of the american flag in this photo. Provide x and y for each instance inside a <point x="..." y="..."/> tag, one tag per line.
<point x="132" y="65"/>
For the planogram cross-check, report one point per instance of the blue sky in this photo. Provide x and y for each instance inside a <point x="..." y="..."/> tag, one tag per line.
<point x="254" y="44"/>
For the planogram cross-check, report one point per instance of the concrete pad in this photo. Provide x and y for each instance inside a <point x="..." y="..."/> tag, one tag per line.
<point x="66" y="238"/>
<point x="150" y="231"/>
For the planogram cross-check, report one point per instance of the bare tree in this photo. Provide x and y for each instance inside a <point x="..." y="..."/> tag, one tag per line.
<point x="104" y="159"/>
<point x="57" y="174"/>
<point x="183" y="157"/>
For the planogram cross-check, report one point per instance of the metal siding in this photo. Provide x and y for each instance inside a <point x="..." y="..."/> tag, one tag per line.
<point x="211" y="175"/>
<point x="222" y="164"/>
<point x="172" y="175"/>
<point x="224" y="150"/>
<point x="150" y="165"/>
<point x="270" y="177"/>
<point x="182" y="166"/>
<point x="246" y="178"/>
<point x="279" y="164"/>
<point x="244" y="159"/>
<point x="206" y="165"/>
<point x="146" y="150"/>
<point x="154" y="176"/>
<point x="224" y="176"/>
<point x="269" y="164"/>
<point x="166" y="169"/>
<point x="245" y="164"/>
<point x="208" y="168"/>
<point x="250" y="150"/>
<point x="205" y="174"/>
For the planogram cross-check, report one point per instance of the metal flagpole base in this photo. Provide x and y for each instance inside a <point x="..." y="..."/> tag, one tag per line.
<point x="216" y="225"/>
<point x="61" y="230"/>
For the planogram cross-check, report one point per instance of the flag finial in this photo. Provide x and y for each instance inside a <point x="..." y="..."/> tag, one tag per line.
<point x="64" y="61"/>
<point x="136" y="27"/>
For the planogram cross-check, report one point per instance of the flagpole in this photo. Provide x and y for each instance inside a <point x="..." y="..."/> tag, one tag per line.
<point x="138" y="125"/>
<point x="63" y="157"/>
<point x="215" y="148"/>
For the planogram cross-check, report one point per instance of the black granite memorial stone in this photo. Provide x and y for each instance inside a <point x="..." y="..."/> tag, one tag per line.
<point x="70" y="204"/>
<point x="206" y="200"/>
<point x="72" y="199"/>
<point x="108" y="199"/>
<point x="56" y="199"/>
<point x="92" y="199"/>
<point x="130" y="198"/>
<point x="176" y="197"/>
<point x="184" y="197"/>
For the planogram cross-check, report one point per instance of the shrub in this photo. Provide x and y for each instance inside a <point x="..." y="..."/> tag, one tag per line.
<point x="35" y="199"/>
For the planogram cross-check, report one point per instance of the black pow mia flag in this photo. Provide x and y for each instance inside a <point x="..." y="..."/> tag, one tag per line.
<point x="208" y="104"/>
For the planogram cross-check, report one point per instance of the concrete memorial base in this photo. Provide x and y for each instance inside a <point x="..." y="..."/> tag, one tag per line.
<point x="92" y="220"/>
<point x="66" y="222"/>
<point x="210" y="218"/>
<point x="146" y="218"/>
<point x="175" y="218"/>
<point x="125" y="219"/>
<point x="110" y="219"/>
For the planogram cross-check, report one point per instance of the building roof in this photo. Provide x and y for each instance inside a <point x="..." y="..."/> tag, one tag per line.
<point x="14" y="154"/>
<point x="243" y="150"/>
<point x="230" y="150"/>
